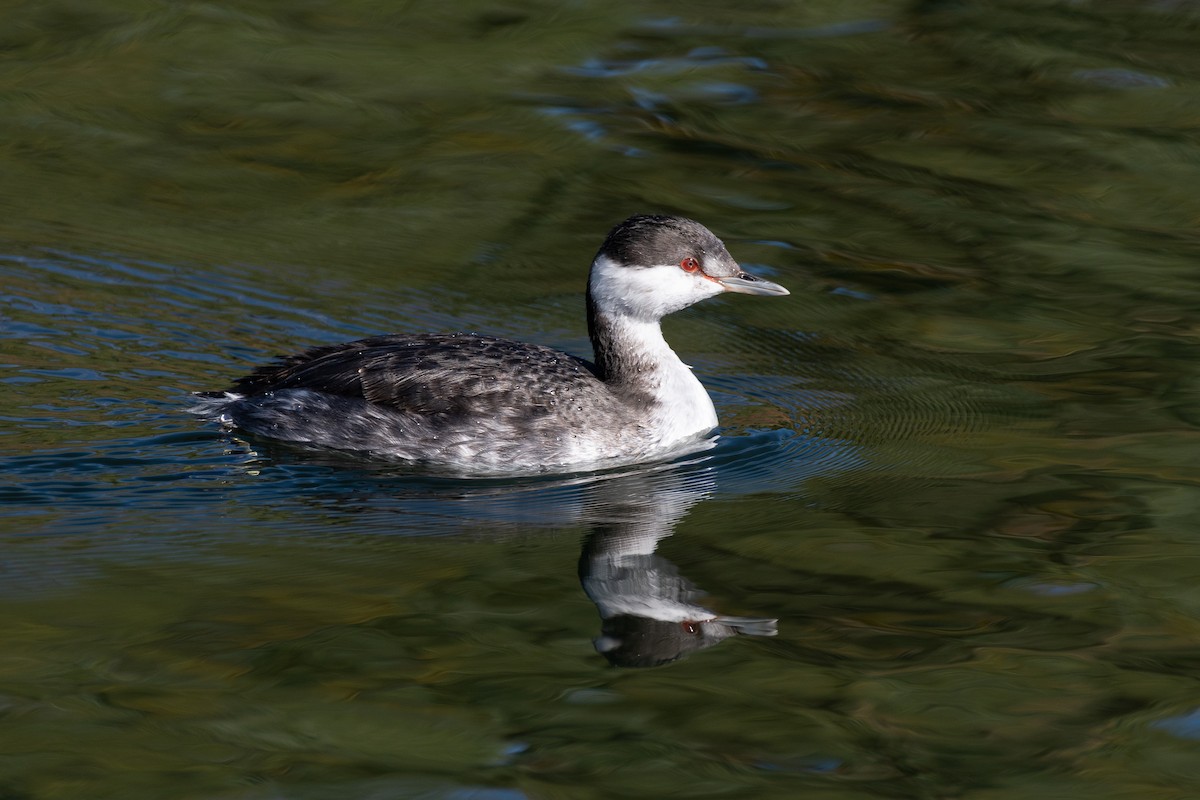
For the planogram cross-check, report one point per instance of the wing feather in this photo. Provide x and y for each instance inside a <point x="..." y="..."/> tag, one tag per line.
<point x="443" y="375"/>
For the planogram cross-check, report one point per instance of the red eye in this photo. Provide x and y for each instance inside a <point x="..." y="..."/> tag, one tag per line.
<point x="689" y="627"/>
<point x="689" y="264"/>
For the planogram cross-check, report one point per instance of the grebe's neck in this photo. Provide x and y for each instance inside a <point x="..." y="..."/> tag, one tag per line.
<point x="627" y="351"/>
<point x="635" y="361"/>
<point x="627" y="338"/>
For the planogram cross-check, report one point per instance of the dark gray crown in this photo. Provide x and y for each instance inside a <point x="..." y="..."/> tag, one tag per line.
<point x="649" y="239"/>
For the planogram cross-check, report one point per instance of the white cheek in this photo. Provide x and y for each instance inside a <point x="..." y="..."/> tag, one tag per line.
<point x="649" y="292"/>
<point x="678" y="289"/>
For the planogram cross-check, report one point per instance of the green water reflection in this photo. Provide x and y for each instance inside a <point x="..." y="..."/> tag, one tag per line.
<point x="960" y="464"/>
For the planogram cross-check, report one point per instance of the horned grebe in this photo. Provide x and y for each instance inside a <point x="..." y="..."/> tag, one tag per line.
<point x="478" y="404"/>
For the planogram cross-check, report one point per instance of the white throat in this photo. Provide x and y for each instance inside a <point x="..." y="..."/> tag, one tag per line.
<point x="630" y="302"/>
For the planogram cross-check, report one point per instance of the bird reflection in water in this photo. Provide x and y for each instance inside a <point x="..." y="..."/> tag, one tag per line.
<point x="651" y="615"/>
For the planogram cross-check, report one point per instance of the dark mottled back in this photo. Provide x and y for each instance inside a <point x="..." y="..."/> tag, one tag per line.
<point x="651" y="239"/>
<point x="447" y="376"/>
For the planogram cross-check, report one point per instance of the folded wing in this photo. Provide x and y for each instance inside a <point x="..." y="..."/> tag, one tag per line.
<point x="444" y="376"/>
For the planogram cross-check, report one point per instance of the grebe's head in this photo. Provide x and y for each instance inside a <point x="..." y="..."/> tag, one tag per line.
<point x="650" y="266"/>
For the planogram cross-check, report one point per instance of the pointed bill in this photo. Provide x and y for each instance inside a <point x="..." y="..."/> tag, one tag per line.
<point x="745" y="283"/>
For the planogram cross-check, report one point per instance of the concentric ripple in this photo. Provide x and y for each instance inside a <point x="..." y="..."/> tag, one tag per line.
<point x="855" y="413"/>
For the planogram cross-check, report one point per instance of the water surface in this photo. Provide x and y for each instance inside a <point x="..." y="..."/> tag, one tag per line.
<point x="958" y="464"/>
